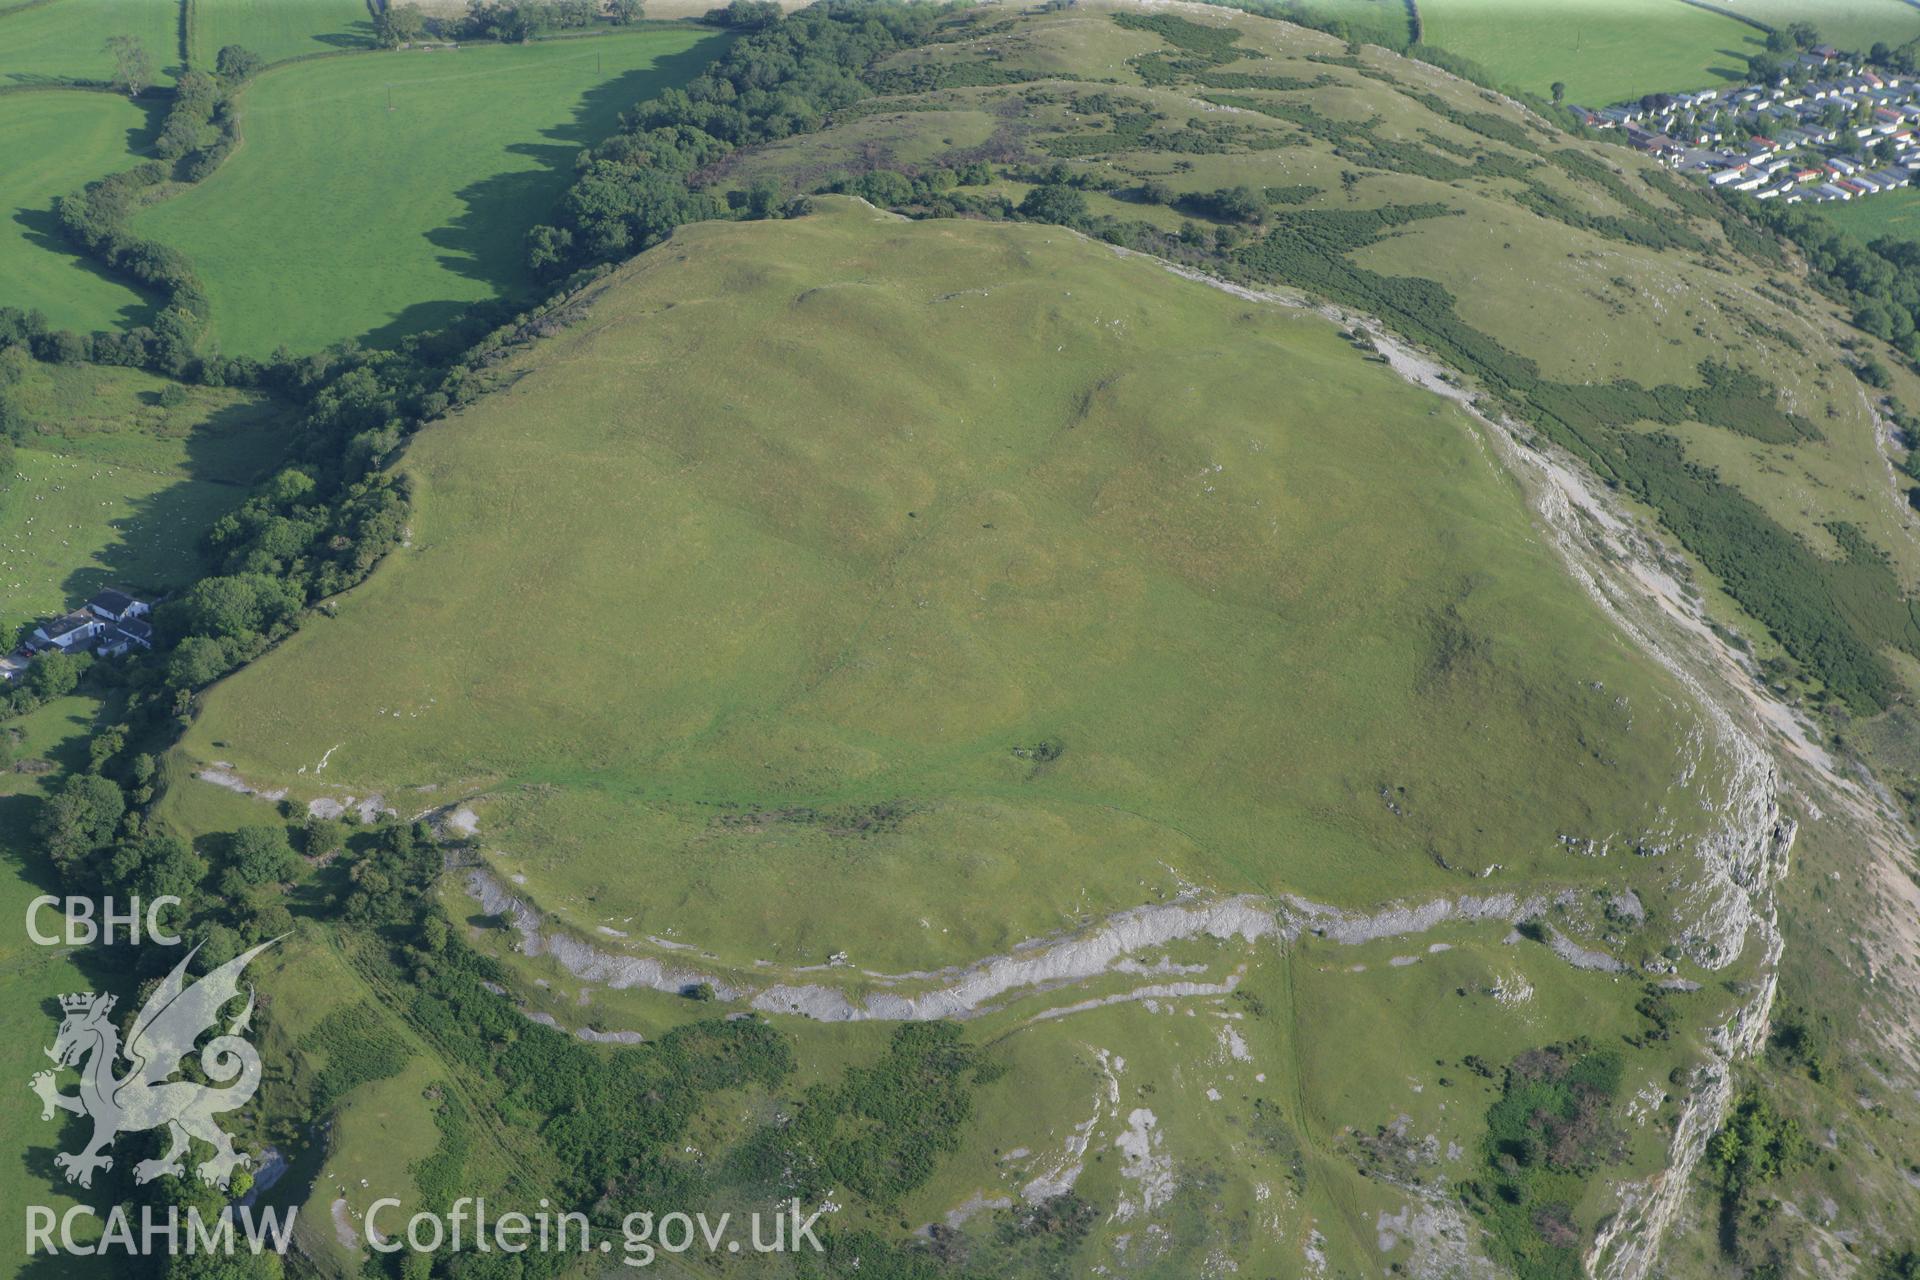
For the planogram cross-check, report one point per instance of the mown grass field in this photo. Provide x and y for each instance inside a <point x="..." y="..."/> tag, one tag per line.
<point x="1093" y="505"/>
<point x="112" y="489"/>
<point x="344" y="217"/>
<point x="55" y="142"/>
<point x="1604" y="51"/>
<point x="278" y="29"/>
<point x="65" y="40"/>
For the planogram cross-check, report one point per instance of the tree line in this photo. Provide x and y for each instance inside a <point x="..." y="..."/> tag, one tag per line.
<point x="783" y="78"/>
<point x="508" y="21"/>
<point x="198" y="133"/>
<point x="1878" y="281"/>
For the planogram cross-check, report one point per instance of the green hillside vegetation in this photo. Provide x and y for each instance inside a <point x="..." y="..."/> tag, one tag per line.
<point x="277" y="29"/>
<point x="1604" y="51"/>
<point x="55" y="142"/>
<point x="1297" y="1142"/>
<point x="477" y="144"/>
<point x="65" y="39"/>
<point x="1557" y="292"/>
<point x="865" y="669"/>
<point x="899" y="570"/>
<point x="117" y="480"/>
<point x="1052" y="627"/>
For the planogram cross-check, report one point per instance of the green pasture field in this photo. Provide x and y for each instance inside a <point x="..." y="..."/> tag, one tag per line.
<point x="1854" y="25"/>
<point x="112" y="489"/>
<point x="1604" y="51"/>
<point x="66" y="39"/>
<point x="55" y="142"/>
<point x="380" y="195"/>
<point x="277" y="29"/>
<point x="1891" y="213"/>
<point x="1045" y="649"/>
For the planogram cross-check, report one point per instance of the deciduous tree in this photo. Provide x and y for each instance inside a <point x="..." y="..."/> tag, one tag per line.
<point x="132" y="68"/>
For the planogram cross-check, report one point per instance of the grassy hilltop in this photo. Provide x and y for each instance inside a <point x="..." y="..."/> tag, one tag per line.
<point x="1096" y="507"/>
<point x="992" y="581"/>
<point x="828" y="609"/>
<point x="1091" y="602"/>
<point x="1595" y="294"/>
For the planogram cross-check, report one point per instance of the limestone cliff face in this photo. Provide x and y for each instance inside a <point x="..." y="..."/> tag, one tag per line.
<point x="1628" y="1243"/>
<point x="1628" y="572"/>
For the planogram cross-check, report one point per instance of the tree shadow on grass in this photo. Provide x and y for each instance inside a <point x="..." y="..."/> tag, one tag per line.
<point x="358" y="35"/>
<point x="420" y="317"/>
<point x="1738" y="71"/>
<point x="41" y="229"/>
<point x="220" y="474"/>
<point x="486" y="241"/>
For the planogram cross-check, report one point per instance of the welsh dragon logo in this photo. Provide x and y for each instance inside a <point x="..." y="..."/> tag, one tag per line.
<point x="173" y="1018"/>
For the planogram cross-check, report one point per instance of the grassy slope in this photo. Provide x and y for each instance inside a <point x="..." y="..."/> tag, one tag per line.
<point x="64" y="40"/>
<point x="382" y="1126"/>
<point x="54" y="143"/>
<point x="279" y="29"/>
<point x="562" y="531"/>
<point x="1096" y="504"/>
<point x="118" y="490"/>
<point x="1265" y="1141"/>
<point x="803" y="640"/>
<point x="1584" y="306"/>
<point x="1603" y="50"/>
<point x="339" y="218"/>
<point x="1587" y="308"/>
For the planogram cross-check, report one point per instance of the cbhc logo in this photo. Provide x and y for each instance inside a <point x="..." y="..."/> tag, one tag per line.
<point x="84" y="925"/>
